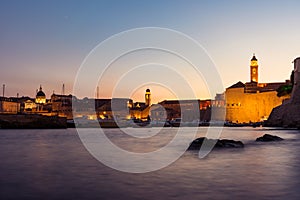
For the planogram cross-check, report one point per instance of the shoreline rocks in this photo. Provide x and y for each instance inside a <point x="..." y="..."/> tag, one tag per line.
<point x="226" y="143"/>
<point x="268" y="138"/>
<point x="219" y="144"/>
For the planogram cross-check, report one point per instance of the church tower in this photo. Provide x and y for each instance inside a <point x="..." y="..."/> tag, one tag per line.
<point x="254" y="69"/>
<point x="148" y="97"/>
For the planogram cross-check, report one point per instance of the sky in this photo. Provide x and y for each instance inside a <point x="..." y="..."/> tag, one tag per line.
<point x="45" y="42"/>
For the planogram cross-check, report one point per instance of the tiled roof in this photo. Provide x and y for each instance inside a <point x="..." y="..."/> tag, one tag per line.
<point x="237" y="85"/>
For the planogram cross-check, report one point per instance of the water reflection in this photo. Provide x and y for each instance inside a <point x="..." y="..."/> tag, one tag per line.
<point x="53" y="164"/>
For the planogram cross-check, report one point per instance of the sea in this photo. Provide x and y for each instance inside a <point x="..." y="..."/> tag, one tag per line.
<point x="54" y="164"/>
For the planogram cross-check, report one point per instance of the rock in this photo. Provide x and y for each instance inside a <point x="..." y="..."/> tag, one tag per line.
<point x="268" y="138"/>
<point x="225" y="143"/>
<point x="196" y="144"/>
<point x="229" y="144"/>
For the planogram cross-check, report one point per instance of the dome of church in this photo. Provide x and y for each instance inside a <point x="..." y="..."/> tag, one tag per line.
<point x="148" y="90"/>
<point x="40" y="97"/>
<point x="40" y="94"/>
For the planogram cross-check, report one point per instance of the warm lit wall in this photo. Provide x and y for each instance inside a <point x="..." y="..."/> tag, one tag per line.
<point x="29" y="105"/>
<point x="9" y="107"/>
<point x="40" y="100"/>
<point x="250" y="107"/>
<point x="140" y="114"/>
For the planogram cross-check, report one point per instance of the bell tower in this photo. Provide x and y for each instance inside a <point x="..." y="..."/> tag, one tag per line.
<point x="148" y="97"/>
<point x="254" y="69"/>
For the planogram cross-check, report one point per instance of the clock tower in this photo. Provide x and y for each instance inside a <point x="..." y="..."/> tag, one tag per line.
<point x="254" y="69"/>
<point x="148" y="97"/>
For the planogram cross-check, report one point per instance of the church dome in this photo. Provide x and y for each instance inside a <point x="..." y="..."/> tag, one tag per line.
<point x="148" y="90"/>
<point x="40" y="97"/>
<point x="40" y="94"/>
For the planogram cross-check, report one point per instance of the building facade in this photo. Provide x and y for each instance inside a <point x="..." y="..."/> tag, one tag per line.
<point x="252" y="101"/>
<point x="141" y="110"/>
<point x="7" y="105"/>
<point x="62" y="105"/>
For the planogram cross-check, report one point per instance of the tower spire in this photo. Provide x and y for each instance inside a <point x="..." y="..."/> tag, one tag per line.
<point x="254" y="58"/>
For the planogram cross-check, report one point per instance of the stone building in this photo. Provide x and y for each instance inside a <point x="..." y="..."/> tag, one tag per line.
<point x="40" y="97"/>
<point x="141" y="110"/>
<point x="188" y="110"/>
<point x="113" y="109"/>
<point x="8" y="105"/>
<point x="62" y="105"/>
<point x="252" y="101"/>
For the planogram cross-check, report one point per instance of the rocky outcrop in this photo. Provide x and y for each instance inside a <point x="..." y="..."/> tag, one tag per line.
<point x="225" y="143"/>
<point x="288" y="114"/>
<point x="268" y="138"/>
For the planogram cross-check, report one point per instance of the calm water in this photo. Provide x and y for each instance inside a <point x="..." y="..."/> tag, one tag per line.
<point x="53" y="164"/>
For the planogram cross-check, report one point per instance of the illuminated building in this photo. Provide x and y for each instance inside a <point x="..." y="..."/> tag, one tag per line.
<point x="188" y="110"/>
<point x="29" y="105"/>
<point x="62" y="105"/>
<point x="8" y="105"/>
<point x="113" y="109"/>
<point x="252" y="101"/>
<point x="40" y="97"/>
<point x="141" y="110"/>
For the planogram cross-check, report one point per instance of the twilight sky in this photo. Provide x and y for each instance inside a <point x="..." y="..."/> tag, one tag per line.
<point x="45" y="42"/>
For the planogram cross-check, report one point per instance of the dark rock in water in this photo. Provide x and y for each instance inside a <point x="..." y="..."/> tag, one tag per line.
<point x="268" y="138"/>
<point x="229" y="144"/>
<point x="196" y="144"/>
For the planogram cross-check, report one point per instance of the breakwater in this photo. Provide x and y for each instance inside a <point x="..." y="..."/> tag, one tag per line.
<point x="34" y="121"/>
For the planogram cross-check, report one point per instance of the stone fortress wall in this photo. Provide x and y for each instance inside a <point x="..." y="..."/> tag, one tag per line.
<point x="288" y="114"/>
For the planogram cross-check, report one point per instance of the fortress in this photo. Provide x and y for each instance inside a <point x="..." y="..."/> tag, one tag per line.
<point x="288" y="114"/>
<point x="252" y="101"/>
